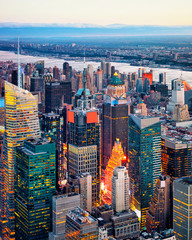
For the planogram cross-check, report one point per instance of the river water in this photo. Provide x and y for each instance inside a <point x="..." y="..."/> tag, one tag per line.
<point x="77" y="65"/>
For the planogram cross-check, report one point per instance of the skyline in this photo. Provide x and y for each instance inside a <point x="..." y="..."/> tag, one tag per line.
<point x="164" y="13"/>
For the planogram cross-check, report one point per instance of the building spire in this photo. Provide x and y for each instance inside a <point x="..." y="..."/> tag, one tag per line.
<point x="19" y="70"/>
<point x="84" y="73"/>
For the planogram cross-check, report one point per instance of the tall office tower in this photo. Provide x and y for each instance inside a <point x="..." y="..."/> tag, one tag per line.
<point x="84" y="139"/>
<point x="176" y="157"/>
<point x="85" y="183"/>
<point x="90" y="71"/>
<point x="56" y="74"/>
<point x="112" y="70"/>
<point x="37" y="86"/>
<point x="61" y="205"/>
<point x="140" y="73"/>
<point x="145" y="152"/>
<point x="149" y="76"/>
<point x="161" y="78"/>
<point x="108" y="69"/>
<point x="115" y="118"/>
<point x="81" y="225"/>
<point x="21" y="122"/>
<point x="182" y="208"/>
<point x="66" y="70"/>
<point x="158" y="216"/>
<point x="139" y="85"/>
<point x="103" y="68"/>
<point x="40" y="67"/>
<point x="99" y="80"/>
<point x="52" y="128"/>
<point x="56" y="94"/>
<point x="178" y="94"/>
<point x="146" y="86"/>
<point x="117" y="156"/>
<point x="120" y="189"/>
<point x="35" y="185"/>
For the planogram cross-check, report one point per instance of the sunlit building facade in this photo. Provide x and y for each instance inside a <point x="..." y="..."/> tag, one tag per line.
<point x="115" y="160"/>
<point x="21" y="122"/>
<point x="176" y="157"/>
<point x="145" y="161"/>
<point x="35" y="185"/>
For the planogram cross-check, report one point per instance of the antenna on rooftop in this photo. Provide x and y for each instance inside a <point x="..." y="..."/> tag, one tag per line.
<point x="84" y="73"/>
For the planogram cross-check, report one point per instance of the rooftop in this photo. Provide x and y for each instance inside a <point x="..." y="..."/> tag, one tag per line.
<point x="81" y="217"/>
<point x="115" y="80"/>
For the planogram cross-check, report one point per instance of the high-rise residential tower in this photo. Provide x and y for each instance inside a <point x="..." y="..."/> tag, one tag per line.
<point x="21" y="122"/>
<point x="144" y="161"/>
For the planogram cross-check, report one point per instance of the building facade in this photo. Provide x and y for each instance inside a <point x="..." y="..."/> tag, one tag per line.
<point x="61" y="206"/>
<point x="21" y="122"/>
<point x="144" y="161"/>
<point x="35" y="185"/>
<point x="84" y="139"/>
<point x="182" y="208"/>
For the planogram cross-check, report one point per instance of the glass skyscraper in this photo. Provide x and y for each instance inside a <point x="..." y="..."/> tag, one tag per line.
<point x="182" y="208"/>
<point x="21" y="122"/>
<point x="145" y="161"/>
<point x="35" y="185"/>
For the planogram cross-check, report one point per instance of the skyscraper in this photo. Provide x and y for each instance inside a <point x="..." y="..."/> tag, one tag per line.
<point x="145" y="161"/>
<point x="115" y="118"/>
<point x="108" y="69"/>
<point x="56" y="73"/>
<point x="99" y="80"/>
<point x="35" y="185"/>
<point x="57" y="93"/>
<point x="21" y="122"/>
<point x="158" y="217"/>
<point x="176" y="157"/>
<point x="182" y="208"/>
<point x="66" y="71"/>
<point x="52" y="128"/>
<point x="85" y="183"/>
<point x="62" y="204"/>
<point x="103" y="67"/>
<point x="84" y="139"/>
<point x="120" y="189"/>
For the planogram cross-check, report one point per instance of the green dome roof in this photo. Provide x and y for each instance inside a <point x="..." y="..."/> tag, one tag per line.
<point x="115" y="80"/>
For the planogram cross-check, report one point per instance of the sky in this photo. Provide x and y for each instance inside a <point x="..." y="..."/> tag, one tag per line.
<point x="100" y="12"/>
